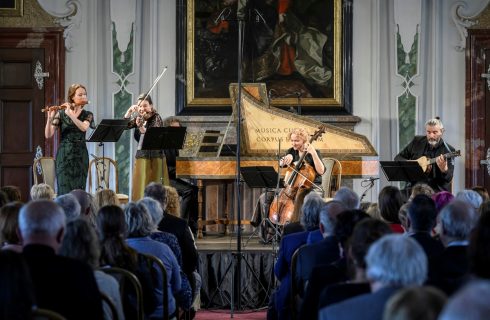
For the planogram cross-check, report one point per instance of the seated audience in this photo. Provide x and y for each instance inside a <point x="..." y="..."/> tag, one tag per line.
<point x="441" y="199"/>
<point x="469" y="303"/>
<point x="70" y="205"/>
<point x="42" y="191"/>
<point x="9" y="223"/>
<point x="390" y="199"/>
<point x="348" y="197"/>
<point x="421" y="188"/>
<point x="479" y="248"/>
<point x="482" y="191"/>
<point x="61" y="284"/>
<point x="16" y="290"/>
<point x="393" y="262"/>
<point x="112" y="230"/>
<point x="87" y="209"/>
<point x="173" y="201"/>
<point x="470" y="197"/>
<point x="421" y="303"/>
<point x="106" y="197"/>
<point x="81" y="243"/>
<point x="13" y="193"/>
<point x="139" y="229"/>
<point x="402" y="216"/>
<point x="279" y="306"/>
<point x="457" y="220"/>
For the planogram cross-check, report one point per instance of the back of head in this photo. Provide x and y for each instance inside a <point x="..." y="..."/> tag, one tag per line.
<point x="469" y="303"/>
<point x="70" y="206"/>
<point x="12" y="192"/>
<point x="422" y="213"/>
<point x="390" y="200"/>
<point x="3" y="198"/>
<point x="421" y="188"/>
<point x="173" y="201"/>
<point x="138" y="220"/>
<point x="470" y="197"/>
<point x="80" y="242"/>
<point x="84" y="199"/>
<point x="9" y="222"/>
<point x="105" y="197"/>
<point x="42" y="191"/>
<point x="158" y="192"/>
<point x="365" y="233"/>
<point x="421" y="303"/>
<point x="154" y="209"/>
<point x="346" y="222"/>
<point x="41" y="217"/>
<point x="328" y="216"/>
<point x="441" y="199"/>
<point x="482" y="191"/>
<point x="310" y="219"/>
<point x="396" y="260"/>
<point x="111" y="222"/>
<point x="348" y="197"/>
<point x="457" y="220"/>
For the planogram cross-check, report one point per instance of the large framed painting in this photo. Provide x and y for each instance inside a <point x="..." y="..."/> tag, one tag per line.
<point x="301" y="50"/>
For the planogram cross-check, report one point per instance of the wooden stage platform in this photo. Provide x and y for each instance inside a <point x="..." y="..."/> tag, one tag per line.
<point x="218" y="260"/>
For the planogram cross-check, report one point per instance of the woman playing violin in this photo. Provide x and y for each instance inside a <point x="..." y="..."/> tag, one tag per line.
<point x="150" y="165"/>
<point x="72" y="155"/>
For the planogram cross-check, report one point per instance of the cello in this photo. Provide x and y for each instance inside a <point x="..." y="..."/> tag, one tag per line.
<point x="298" y="176"/>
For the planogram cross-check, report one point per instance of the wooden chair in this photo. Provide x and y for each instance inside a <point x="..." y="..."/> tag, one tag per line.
<point x="157" y="264"/>
<point x="43" y="314"/>
<point x="44" y="171"/>
<point x="332" y="176"/>
<point x="125" y="278"/>
<point x="108" y="301"/>
<point x="100" y="172"/>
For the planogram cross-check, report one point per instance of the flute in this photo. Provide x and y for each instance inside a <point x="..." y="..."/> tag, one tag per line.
<point x="61" y="107"/>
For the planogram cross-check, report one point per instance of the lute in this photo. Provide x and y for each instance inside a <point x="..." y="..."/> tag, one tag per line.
<point x="425" y="162"/>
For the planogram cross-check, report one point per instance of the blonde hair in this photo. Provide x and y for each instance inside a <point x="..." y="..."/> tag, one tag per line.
<point x="42" y="191"/>
<point x="173" y="201"/>
<point x="105" y="197"/>
<point x="300" y="132"/>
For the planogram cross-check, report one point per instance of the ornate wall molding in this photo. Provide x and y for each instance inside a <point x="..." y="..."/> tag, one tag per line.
<point x="464" y="16"/>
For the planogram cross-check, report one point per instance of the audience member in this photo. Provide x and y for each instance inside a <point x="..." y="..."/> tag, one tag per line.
<point x="479" y="249"/>
<point x="173" y="201"/>
<point x="9" y="223"/>
<point x="484" y="209"/>
<point x="390" y="200"/>
<point x="482" y="191"/>
<point x="373" y="211"/>
<point x="112" y="229"/>
<point x="421" y="303"/>
<point x="3" y="198"/>
<point x="393" y="262"/>
<point x="140" y="225"/>
<point x="16" y="289"/>
<point x="470" y="197"/>
<point x="176" y="226"/>
<point x="442" y="199"/>
<point x="457" y="220"/>
<point x="81" y="243"/>
<point x="42" y="191"/>
<point x="13" y="193"/>
<point x="403" y="216"/>
<point x="470" y="303"/>
<point x="85" y="200"/>
<point x="106" y="197"/>
<point x="421" y="188"/>
<point x="279" y="306"/>
<point x="64" y="285"/>
<point x="348" y="197"/>
<point x="70" y="206"/>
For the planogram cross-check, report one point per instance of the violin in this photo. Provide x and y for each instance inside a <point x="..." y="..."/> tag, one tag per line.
<point x="298" y="176"/>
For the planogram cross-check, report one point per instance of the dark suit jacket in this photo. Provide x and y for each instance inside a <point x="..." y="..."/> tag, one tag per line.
<point x="433" y="249"/>
<point x="310" y="256"/>
<point x="62" y="284"/>
<point x="339" y="292"/>
<point x="367" y="306"/>
<point x="180" y="229"/>
<point x="452" y="269"/>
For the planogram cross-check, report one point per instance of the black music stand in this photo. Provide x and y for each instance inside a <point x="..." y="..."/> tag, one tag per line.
<point x="408" y="171"/>
<point x="260" y="177"/>
<point x="108" y="130"/>
<point x="159" y="138"/>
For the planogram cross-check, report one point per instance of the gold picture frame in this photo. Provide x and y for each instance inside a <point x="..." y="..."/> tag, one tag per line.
<point x="211" y="52"/>
<point x="11" y="8"/>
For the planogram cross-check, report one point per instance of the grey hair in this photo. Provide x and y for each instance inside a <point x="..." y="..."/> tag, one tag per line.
<point x="154" y="209"/>
<point x="469" y="303"/>
<point x="138" y="220"/>
<point x="81" y="242"/>
<point x="457" y="220"/>
<point x="328" y="215"/>
<point x="435" y="122"/>
<point x="41" y="217"/>
<point x="42" y="191"/>
<point x="470" y="197"/>
<point x="348" y="197"/>
<point x="396" y="260"/>
<point x="70" y="206"/>
<point x="312" y="205"/>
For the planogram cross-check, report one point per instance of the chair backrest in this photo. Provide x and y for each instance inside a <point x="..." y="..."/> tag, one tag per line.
<point x="125" y="278"/>
<point x="332" y="176"/>
<point x="107" y="301"/>
<point x="44" y="168"/>
<point x="157" y="264"/>
<point x="38" y="313"/>
<point x="100" y="171"/>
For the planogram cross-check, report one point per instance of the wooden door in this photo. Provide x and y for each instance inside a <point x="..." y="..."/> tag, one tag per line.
<point x="22" y="96"/>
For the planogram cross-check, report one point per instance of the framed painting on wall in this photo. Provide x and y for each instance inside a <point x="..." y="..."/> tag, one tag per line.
<point x="301" y="50"/>
<point x="11" y="8"/>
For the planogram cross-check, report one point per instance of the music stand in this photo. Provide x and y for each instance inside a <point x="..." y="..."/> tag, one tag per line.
<point x="108" y="130"/>
<point x="408" y="171"/>
<point x="260" y="177"/>
<point x="159" y="138"/>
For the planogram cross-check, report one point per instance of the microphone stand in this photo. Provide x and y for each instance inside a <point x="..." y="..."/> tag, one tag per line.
<point x="368" y="187"/>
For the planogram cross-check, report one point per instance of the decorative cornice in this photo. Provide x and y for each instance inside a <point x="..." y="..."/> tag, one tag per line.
<point x="68" y="15"/>
<point x="464" y="19"/>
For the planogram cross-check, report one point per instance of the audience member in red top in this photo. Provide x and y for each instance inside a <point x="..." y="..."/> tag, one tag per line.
<point x="390" y="200"/>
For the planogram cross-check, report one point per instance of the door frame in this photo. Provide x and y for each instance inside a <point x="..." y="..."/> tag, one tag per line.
<point x="52" y="41"/>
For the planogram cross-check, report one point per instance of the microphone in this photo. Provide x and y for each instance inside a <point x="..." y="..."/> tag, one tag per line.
<point x="370" y="179"/>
